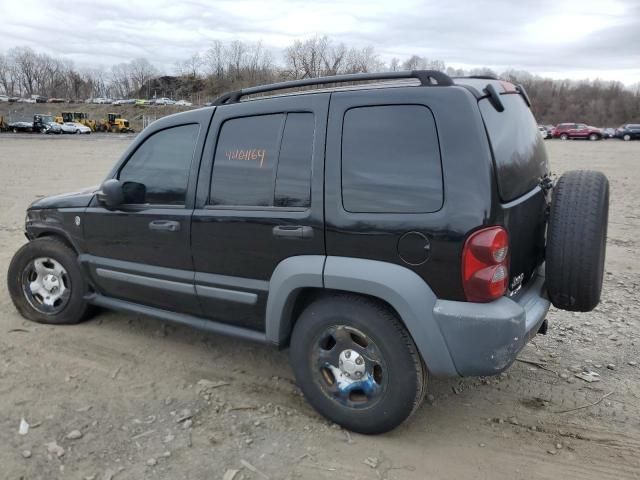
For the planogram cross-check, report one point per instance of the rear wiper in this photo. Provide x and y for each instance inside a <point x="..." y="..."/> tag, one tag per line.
<point x="494" y="97"/>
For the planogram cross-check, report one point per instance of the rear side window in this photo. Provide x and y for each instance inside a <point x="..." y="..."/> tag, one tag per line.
<point x="391" y="160"/>
<point x="158" y="171"/>
<point x="518" y="149"/>
<point x="264" y="161"/>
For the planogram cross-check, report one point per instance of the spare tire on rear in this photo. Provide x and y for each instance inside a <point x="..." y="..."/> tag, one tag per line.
<point x="576" y="240"/>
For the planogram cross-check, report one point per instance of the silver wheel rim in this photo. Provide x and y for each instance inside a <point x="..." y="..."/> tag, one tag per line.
<point x="349" y="367"/>
<point x="46" y="285"/>
<point x="627" y="137"/>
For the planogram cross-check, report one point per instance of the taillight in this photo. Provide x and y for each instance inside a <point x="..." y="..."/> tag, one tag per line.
<point x="485" y="264"/>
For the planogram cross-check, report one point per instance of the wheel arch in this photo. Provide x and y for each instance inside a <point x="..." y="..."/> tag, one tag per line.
<point x="59" y="235"/>
<point x="298" y="280"/>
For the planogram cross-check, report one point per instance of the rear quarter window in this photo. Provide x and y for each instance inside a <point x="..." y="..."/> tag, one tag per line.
<point x="518" y="148"/>
<point x="391" y="160"/>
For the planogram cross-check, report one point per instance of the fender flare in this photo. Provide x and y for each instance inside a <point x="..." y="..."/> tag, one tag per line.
<point x="407" y="293"/>
<point x="288" y="279"/>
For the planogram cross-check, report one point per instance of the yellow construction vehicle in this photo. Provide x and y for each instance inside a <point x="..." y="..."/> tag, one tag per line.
<point x="114" y="123"/>
<point x="77" y="117"/>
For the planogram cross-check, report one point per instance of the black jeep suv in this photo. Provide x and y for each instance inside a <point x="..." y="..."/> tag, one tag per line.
<point x="384" y="228"/>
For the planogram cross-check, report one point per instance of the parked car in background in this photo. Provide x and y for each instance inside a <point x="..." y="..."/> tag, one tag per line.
<point x="26" y="100"/>
<point x="544" y="132"/>
<point x="630" y="131"/>
<point x="16" y="127"/>
<point x="74" y="127"/>
<point x="39" y="98"/>
<point x="56" y="100"/>
<point x="184" y="103"/>
<point x="4" y="98"/>
<point x="608" y="132"/>
<point x="141" y="101"/>
<point x="164" y="101"/>
<point x="124" y="101"/>
<point x="45" y="124"/>
<point x="565" y="131"/>
<point x="52" y="127"/>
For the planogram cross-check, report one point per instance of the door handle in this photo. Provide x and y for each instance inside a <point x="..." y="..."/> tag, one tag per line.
<point x="164" y="225"/>
<point x="292" y="231"/>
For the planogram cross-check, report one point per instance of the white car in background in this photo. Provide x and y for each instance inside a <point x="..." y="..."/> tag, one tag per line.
<point x="73" y="127"/>
<point x="164" y="101"/>
<point x="184" y="103"/>
<point x="544" y="132"/>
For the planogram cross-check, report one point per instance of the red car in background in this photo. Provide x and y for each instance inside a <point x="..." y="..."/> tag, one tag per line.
<point x="565" y="131"/>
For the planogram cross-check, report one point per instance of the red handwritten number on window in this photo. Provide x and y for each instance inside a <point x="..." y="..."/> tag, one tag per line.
<point x="246" y="154"/>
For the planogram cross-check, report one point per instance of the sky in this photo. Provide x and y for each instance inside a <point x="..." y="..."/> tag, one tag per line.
<point x="556" y="38"/>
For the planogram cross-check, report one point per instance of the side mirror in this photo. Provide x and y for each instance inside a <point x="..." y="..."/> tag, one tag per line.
<point x="111" y="194"/>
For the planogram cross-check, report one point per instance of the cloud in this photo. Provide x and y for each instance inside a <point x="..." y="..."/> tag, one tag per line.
<point x="569" y="38"/>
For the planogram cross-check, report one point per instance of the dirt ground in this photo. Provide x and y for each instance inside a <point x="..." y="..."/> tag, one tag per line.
<point x="162" y="402"/>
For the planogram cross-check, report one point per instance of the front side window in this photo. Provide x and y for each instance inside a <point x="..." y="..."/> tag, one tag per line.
<point x="390" y="160"/>
<point x="158" y="171"/>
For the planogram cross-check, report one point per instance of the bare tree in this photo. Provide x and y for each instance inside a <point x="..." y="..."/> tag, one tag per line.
<point x="236" y="64"/>
<point x="141" y="71"/>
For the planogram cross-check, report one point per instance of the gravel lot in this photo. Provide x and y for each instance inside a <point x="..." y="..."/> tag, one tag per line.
<point x="150" y="400"/>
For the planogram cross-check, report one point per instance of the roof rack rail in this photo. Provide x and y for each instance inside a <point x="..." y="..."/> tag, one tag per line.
<point x="426" y="77"/>
<point x="480" y="77"/>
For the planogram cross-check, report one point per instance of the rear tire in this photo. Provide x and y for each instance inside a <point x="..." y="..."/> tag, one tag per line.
<point x="576" y="240"/>
<point x="74" y="309"/>
<point x="594" y="136"/>
<point x="626" y="137"/>
<point x="564" y="136"/>
<point x="394" y="382"/>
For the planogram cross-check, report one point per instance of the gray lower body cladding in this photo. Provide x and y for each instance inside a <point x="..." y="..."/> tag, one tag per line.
<point x="485" y="339"/>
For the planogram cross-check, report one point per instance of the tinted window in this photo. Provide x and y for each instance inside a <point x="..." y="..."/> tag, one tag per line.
<point x="158" y="171"/>
<point x="293" y="181"/>
<point x="518" y="149"/>
<point x="264" y="161"/>
<point x="390" y="160"/>
<point x="245" y="163"/>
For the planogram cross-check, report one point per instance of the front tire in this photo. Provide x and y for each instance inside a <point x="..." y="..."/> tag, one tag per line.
<point x="626" y="137"/>
<point x="594" y="136"/>
<point x="356" y="363"/>
<point x="46" y="284"/>
<point x="564" y="136"/>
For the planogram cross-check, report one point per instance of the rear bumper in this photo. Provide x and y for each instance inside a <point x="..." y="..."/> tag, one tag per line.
<point x="485" y="338"/>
